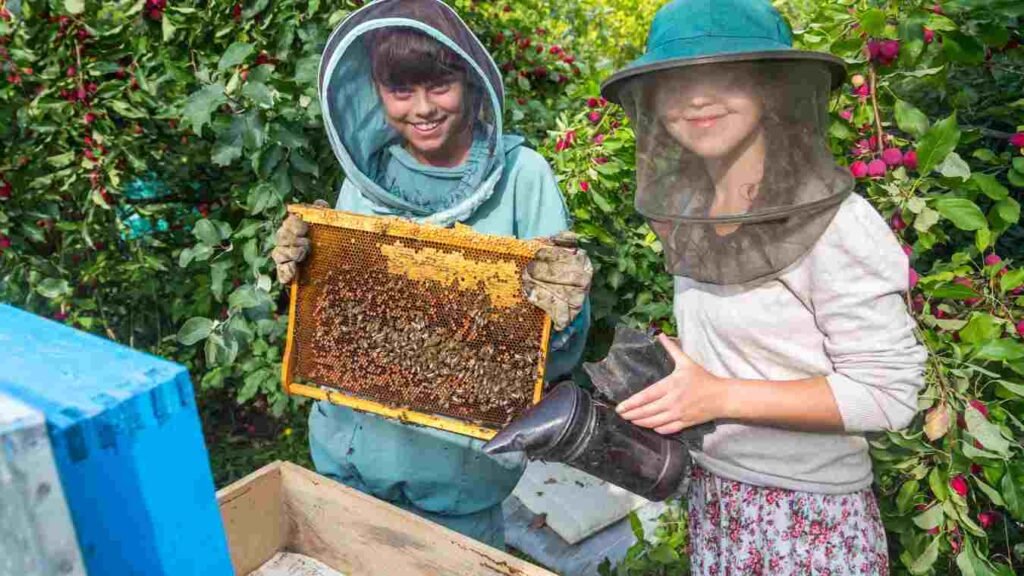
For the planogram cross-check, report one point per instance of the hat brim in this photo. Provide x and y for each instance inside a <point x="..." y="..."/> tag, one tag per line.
<point x="654" y="62"/>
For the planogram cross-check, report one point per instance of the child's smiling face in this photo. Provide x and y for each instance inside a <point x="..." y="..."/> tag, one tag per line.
<point x="428" y="117"/>
<point x="709" y="112"/>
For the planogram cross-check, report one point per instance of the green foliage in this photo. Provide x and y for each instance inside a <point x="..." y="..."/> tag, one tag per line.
<point x="660" y="554"/>
<point x="148" y="155"/>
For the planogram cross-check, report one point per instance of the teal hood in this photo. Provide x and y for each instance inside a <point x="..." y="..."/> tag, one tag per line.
<point x="366" y="146"/>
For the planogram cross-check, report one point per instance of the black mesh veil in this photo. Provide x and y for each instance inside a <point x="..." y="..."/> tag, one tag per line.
<point x="733" y="171"/>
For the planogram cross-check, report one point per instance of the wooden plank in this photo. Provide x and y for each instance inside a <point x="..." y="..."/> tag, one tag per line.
<point x="359" y="535"/>
<point x="254" y="521"/>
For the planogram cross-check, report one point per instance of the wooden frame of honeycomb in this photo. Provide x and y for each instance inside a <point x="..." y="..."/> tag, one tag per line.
<point x="415" y="322"/>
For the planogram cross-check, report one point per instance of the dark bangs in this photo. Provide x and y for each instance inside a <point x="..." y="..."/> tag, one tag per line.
<point x="402" y="57"/>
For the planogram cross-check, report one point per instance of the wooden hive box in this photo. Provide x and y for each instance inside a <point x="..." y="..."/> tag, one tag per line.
<point x="286" y="508"/>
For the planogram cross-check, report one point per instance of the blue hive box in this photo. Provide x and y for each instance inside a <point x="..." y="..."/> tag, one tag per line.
<point x="128" y="446"/>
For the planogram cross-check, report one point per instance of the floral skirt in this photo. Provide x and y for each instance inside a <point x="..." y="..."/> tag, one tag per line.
<point x="739" y="529"/>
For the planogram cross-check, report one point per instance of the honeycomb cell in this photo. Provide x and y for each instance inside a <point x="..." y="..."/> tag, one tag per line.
<point x="417" y="317"/>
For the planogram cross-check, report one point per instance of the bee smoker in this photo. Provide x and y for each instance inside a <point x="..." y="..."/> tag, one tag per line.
<point x="569" y="426"/>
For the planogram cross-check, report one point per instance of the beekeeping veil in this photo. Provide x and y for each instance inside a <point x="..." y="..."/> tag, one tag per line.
<point x="369" y="149"/>
<point x="733" y="172"/>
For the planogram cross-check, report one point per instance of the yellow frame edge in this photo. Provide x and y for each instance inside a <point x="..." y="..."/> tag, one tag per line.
<point x="289" y="343"/>
<point x="433" y="421"/>
<point x="460" y="236"/>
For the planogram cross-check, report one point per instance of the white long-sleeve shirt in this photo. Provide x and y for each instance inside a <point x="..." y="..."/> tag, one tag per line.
<point x="839" y="313"/>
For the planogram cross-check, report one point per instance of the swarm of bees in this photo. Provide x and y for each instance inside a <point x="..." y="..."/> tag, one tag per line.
<point x="420" y="345"/>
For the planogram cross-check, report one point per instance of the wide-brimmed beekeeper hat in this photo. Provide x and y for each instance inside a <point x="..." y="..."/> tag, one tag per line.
<point x="696" y="32"/>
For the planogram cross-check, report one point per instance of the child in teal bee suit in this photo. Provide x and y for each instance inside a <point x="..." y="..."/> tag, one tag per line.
<point x="412" y="104"/>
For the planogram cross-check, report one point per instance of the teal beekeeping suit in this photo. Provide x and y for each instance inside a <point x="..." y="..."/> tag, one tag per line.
<point x="502" y="188"/>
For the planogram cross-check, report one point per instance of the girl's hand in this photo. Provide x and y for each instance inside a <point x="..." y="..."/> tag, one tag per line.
<point x="690" y="395"/>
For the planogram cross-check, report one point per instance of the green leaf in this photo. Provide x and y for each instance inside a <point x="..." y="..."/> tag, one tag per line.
<point x="224" y="153"/>
<point x="994" y="34"/>
<point x="609" y="169"/>
<point x="1016" y="178"/>
<point x="963" y="213"/>
<point x="207" y="233"/>
<point x="53" y="287"/>
<point x="989" y="491"/>
<point x="214" y="378"/>
<point x="910" y="119"/>
<point x="873" y="22"/>
<point x="637" y="527"/>
<point x="916" y="205"/>
<point x="252" y="385"/>
<point x="74" y="6"/>
<point x="1000" y="350"/>
<point x="955" y="291"/>
<point x="1018" y="164"/>
<point x="259" y="93"/>
<point x="201" y="105"/>
<point x="235" y="55"/>
<point x="969" y="563"/>
<point x="1013" y="494"/>
<point x="282" y="182"/>
<point x="981" y="328"/>
<point x="218" y="275"/>
<point x="241" y="330"/>
<point x="1009" y="210"/>
<point x="215" y="350"/>
<point x="167" y="27"/>
<point x="254" y="9"/>
<point x="921" y="72"/>
<point x="306" y="70"/>
<point x="1011" y="280"/>
<point x="905" y="498"/>
<point x="840" y="130"/>
<point x="288" y="138"/>
<point x="962" y="49"/>
<point x="930" y="518"/>
<point x="202" y="252"/>
<point x="664" y="554"/>
<point x="1017" y="389"/>
<point x="253" y="136"/>
<point x="983" y="239"/>
<point x="938" y="22"/>
<point x="304" y="165"/>
<point x="601" y="202"/>
<point x="61" y="160"/>
<point x="185" y="258"/>
<point x="127" y="110"/>
<point x="244" y="296"/>
<point x="937" y="481"/>
<point x="926" y="219"/>
<point x="989" y="186"/>
<point x="923" y="563"/>
<point x="986" y="432"/>
<point x="261" y="197"/>
<point x="937" y="143"/>
<point x="594" y="231"/>
<point x="194" y="330"/>
<point x="985" y="155"/>
<point x="953" y="166"/>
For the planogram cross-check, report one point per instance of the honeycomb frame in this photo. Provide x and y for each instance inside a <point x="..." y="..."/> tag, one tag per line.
<point x="446" y="259"/>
